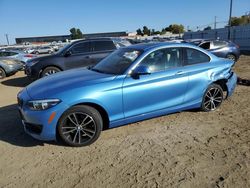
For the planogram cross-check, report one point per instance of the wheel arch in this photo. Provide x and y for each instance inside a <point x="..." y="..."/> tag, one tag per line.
<point x="223" y="84"/>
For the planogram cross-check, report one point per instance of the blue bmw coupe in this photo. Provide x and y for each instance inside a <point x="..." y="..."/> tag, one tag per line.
<point x="132" y="84"/>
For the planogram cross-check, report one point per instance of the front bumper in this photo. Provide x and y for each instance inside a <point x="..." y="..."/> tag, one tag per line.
<point x="231" y="84"/>
<point x="36" y="123"/>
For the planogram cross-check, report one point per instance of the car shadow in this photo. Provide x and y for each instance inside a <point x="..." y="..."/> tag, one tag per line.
<point x="11" y="129"/>
<point x="17" y="82"/>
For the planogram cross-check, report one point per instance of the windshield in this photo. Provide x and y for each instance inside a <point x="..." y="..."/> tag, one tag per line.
<point x="63" y="48"/>
<point x="117" y="62"/>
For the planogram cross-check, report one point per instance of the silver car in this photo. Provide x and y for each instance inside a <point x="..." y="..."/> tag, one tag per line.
<point x="9" y="67"/>
<point x="15" y="54"/>
<point x="43" y="50"/>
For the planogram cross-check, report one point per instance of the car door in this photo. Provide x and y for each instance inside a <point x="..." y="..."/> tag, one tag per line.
<point x="164" y="88"/>
<point x="197" y="65"/>
<point x="80" y="55"/>
<point x="101" y="49"/>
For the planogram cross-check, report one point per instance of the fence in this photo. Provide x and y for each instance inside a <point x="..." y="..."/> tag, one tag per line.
<point x="240" y="35"/>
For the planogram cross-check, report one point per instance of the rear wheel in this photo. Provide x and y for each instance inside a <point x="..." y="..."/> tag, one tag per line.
<point x="232" y="57"/>
<point x="49" y="71"/>
<point x="212" y="98"/>
<point x="2" y="73"/>
<point x="80" y="126"/>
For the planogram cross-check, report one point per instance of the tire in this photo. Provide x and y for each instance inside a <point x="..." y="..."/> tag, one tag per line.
<point x="80" y="126"/>
<point x="49" y="71"/>
<point x="37" y="53"/>
<point x="212" y="98"/>
<point x="2" y="73"/>
<point x="232" y="57"/>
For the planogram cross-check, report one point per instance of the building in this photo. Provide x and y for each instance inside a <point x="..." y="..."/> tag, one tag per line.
<point x="64" y="38"/>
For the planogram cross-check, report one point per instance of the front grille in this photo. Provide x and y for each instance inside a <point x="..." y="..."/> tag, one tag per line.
<point x="33" y="128"/>
<point x="19" y="102"/>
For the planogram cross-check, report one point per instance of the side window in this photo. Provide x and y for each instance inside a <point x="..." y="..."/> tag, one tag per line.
<point x="195" y="56"/>
<point x="219" y="44"/>
<point x="205" y="45"/>
<point x="12" y="53"/>
<point x="103" y="45"/>
<point x="163" y="59"/>
<point x="79" y="48"/>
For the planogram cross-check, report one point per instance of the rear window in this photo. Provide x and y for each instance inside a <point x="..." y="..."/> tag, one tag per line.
<point x="103" y="45"/>
<point x="219" y="43"/>
<point x="194" y="56"/>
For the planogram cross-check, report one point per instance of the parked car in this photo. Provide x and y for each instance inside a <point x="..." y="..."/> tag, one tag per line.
<point x="132" y="84"/>
<point x="19" y="55"/>
<point x="43" y="50"/>
<point x="81" y="53"/>
<point x="9" y="67"/>
<point x="220" y="48"/>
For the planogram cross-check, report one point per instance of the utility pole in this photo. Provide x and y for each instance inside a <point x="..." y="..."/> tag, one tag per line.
<point x="229" y="21"/>
<point x="215" y="22"/>
<point x="7" y="38"/>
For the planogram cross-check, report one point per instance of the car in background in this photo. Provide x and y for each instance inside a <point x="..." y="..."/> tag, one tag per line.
<point x="43" y="50"/>
<point x="15" y="54"/>
<point x="9" y="67"/>
<point x="80" y="53"/>
<point x="219" y="48"/>
<point x="132" y="84"/>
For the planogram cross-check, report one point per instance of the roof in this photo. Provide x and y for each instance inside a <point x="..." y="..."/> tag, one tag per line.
<point x="149" y="46"/>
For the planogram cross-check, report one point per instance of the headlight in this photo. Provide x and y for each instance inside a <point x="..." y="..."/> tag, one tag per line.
<point x="43" y="104"/>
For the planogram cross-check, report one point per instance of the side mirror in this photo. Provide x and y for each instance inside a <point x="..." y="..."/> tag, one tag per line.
<point x="68" y="53"/>
<point x="140" y="70"/>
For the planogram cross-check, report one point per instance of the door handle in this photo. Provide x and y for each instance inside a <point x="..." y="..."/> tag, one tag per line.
<point x="180" y="73"/>
<point x="87" y="57"/>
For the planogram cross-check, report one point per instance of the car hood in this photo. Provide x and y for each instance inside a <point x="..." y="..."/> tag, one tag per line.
<point x="36" y="59"/>
<point x="50" y="86"/>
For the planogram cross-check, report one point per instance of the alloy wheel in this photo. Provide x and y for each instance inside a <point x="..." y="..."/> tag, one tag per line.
<point x="213" y="98"/>
<point x="50" y="72"/>
<point x="79" y="128"/>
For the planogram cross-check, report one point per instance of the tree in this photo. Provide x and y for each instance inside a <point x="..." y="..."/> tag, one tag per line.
<point x="243" y="20"/>
<point x="175" y="28"/>
<point x="146" y="31"/>
<point x="207" y="28"/>
<point x="139" y="32"/>
<point x="76" y="33"/>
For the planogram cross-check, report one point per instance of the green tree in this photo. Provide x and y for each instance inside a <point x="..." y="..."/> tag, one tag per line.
<point x="175" y="28"/>
<point x="139" y="32"/>
<point x="243" y="20"/>
<point x="76" y="33"/>
<point x="146" y="31"/>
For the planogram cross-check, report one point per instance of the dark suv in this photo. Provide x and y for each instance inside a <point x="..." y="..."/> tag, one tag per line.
<point x="80" y="53"/>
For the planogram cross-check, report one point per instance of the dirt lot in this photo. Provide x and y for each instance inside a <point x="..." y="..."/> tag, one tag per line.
<point x="188" y="149"/>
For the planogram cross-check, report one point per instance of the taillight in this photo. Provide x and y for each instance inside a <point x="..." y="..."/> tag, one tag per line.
<point x="28" y="55"/>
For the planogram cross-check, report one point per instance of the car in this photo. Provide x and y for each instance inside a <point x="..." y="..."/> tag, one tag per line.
<point x="16" y="54"/>
<point x="9" y="67"/>
<point x="43" y="50"/>
<point x="132" y="84"/>
<point x="80" y="53"/>
<point x="220" y="48"/>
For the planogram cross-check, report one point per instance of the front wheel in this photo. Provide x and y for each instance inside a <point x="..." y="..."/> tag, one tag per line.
<point x="212" y="98"/>
<point x="49" y="71"/>
<point x="80" y="126"/>
<point x="2" y="73"/>
<point x="232" y="57"/>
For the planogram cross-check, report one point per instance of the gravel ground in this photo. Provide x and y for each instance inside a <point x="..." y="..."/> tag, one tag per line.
<point x="188" y="149"/>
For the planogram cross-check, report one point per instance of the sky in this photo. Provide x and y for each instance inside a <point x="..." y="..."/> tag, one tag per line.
<point x="25" y="18"/>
